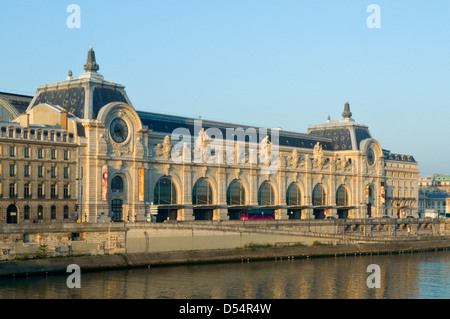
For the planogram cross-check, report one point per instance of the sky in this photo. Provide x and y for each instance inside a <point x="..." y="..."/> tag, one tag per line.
<point x="286" y="63"/>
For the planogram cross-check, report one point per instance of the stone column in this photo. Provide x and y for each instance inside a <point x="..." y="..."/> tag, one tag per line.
<point x="186" y="213"/>
<point x="282" y="212"/>
<point x="222" y="212"/>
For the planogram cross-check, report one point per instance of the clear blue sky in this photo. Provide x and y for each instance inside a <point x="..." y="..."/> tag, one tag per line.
<point x="287" y="63"/>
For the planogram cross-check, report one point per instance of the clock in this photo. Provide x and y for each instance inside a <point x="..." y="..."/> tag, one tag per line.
<point x="370" y="156"/>
<point x="119" y="130"/>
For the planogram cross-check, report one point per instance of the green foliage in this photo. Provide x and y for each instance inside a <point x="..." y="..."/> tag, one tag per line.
<point x="42" y="251"/>
<point x="253" y="245"/>
<point x="23" y="257"/>
<point x="317" y="243"/>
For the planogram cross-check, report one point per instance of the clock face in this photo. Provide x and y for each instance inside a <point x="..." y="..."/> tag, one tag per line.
<point x="119" y="130"/>
<point x="370" y="157"/>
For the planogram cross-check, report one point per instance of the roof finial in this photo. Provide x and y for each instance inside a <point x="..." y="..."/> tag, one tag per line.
<point x="69" y="75"/>
<point x="91" y="64"/>
<point x="347" y="114"/>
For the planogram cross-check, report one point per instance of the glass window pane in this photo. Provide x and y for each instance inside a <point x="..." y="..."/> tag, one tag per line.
<point x="202" y="194"/>
<point x="319" y="196"/>
<point x="117" y="184"/>
<point x="236" y="193"/>
<point x="342" y="196"/>
<point x="266" y="195"/>
<point x="165" y="193"/>
<point x="293" y="195"/>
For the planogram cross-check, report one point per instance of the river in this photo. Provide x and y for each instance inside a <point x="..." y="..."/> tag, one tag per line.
<point x="424" y="275"/>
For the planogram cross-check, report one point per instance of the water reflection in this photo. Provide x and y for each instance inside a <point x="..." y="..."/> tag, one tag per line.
<point x="423" y="275"/>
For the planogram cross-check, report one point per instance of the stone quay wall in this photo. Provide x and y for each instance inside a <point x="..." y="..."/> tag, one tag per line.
<point x="47" y="240"/>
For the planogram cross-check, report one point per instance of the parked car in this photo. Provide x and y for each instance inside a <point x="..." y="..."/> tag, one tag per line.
<point x="331" y="217"/>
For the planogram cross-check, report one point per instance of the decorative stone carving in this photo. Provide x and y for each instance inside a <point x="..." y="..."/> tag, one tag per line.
<point x="116" y="165"/>
<point x="166" y="169"/>
<point x="204" y="171"/>
<point x="319" y="160"/>
<point x="163" y="150"/>
<point x="120" y="150"/>
<point x="102" y="145"/>
<point x="139" y="148"/>
<point x="200" y="146"/>
<point x="318" y="155"/>
<point x="186" y="153"/>
<point x="292" y="160"/>
<point x="265" y="151"/>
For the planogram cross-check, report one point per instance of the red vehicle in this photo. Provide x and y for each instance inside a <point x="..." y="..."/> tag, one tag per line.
<point x="258" y="214"/>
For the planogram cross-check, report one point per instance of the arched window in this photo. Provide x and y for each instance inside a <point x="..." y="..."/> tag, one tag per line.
<point x="293" y="195"/>
<point x="319" y="196"/>
<point x="342" y="196"/>
<point x="165" y="192"/>
<point x="202" y="194"/>
<point x="266" y="194"/>
<point x="117" y="184"/>
<point x="236" y="193"/>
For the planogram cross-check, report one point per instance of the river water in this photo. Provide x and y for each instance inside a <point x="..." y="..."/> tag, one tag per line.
<point x="424" y="275"/>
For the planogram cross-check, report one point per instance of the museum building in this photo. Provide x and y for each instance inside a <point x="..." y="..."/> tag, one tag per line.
<point x="81" y="150"/>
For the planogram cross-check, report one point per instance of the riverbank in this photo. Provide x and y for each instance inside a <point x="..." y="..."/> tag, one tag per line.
<point x="48" y="266"/>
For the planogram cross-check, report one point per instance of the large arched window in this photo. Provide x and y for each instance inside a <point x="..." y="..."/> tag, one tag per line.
<point x="293" y="195"/>
<point x="342" y="196"/>
<point x="266" y="194"/>
<point x="202" y="193"/>
<point x="236" y="193"/>
<point x="117" y="184"/>
<point x="165" y="192"/>
<point x="319" y="196"/>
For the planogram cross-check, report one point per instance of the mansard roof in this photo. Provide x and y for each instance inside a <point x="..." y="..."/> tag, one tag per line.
<point x="345" y="134"/>
<point x="82" y="97"/>
<point x="166" y="124"/>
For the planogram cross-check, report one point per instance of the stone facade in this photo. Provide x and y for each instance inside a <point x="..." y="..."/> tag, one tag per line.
<point x="38" y="173"/>
<point x="129" y="165"/>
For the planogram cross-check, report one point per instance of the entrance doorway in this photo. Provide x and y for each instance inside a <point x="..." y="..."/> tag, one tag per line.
<point x="203" y="214"/>
<point x="295" y="213"/>
<point x="235" y="214"/>
<point x="342" y="213"/>
<point x="166" y="214"/>
<point x="117" y="209"/>
<point x="319" y="213"/>
<point x="11" y="214"/>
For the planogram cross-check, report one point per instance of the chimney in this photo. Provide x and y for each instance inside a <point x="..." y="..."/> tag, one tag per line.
<point x="64" y="120"/>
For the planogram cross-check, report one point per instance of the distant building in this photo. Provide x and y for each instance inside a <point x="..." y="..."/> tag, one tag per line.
<point x="81" y="146"/>
<point x="434" y="195"/>
<point x="12" y="105"/>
